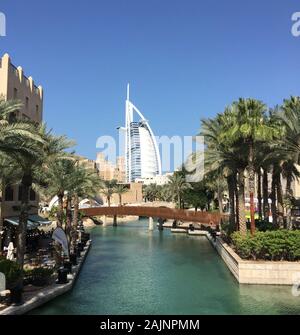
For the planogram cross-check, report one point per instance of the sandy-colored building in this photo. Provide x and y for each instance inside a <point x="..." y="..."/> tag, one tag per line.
<point x="120" y="172"/>
<point x="88" y="163"/>
<point x="109" y="171"/>
<point x="160" y="180"/>
<point x="133" y="196"/>
<point x="15" y="85"/>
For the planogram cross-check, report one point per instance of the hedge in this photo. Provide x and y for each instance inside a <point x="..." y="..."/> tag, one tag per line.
<point x="277" y="245"/>
<point x="12" y="271"/>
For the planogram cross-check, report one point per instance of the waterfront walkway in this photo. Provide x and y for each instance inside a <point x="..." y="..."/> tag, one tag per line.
<point x="38" y="298"/>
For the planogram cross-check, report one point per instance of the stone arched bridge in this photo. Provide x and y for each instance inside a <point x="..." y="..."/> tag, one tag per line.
<point x="211" y="219"/>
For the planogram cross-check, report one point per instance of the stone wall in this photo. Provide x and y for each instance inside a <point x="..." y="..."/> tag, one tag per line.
<point x="258" y="272"/>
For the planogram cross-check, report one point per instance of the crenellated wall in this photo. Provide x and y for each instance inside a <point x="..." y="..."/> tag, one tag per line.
<point x="15" y="85"/>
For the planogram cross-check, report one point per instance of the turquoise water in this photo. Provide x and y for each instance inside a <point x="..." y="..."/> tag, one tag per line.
<point x="132" y="271"/>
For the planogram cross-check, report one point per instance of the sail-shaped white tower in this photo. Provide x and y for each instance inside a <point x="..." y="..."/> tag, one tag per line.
<point x="141" y="150"/>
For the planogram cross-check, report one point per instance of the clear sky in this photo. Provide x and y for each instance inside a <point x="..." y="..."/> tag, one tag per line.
<point x="185" y="59"/>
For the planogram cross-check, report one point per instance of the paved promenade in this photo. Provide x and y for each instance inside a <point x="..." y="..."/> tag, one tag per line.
<point x="42" y="296"/>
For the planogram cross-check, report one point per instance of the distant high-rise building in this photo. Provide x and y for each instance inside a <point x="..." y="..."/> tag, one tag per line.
<point x="142" y="158"/>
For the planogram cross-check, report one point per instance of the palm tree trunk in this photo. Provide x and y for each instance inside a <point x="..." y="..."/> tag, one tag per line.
<point x="241" y="202"/>
<point x="289" y="194"/>
<point x="220" y="198"/>
<point x="75" y="218"/>
<point x="26" y="184"/>
<point x="259" y="194"/>
<point x="120" y="199"/>
<point x="231" y="190"/>
<point x="273" y="198"/>
<point x="69" y="218"/>
<point x="266" y="208"/>
<point x="60" y="212"/>
<point x="108" y="200"/>
<point x="280" y="200"/>
<point x="251" y="170"/>
<point x="237" y="211"/>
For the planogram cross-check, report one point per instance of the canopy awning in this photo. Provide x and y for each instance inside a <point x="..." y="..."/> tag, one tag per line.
<point x="39" y="220"/>
<point x="15" y="222"/>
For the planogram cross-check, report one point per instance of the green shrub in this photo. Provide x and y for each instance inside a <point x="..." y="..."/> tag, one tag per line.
<point x="39" y="276"/>
<point x="265" y="226"/>
<point x="227" y="227"/>
<point x="12" y="271"/>
<point x="271" y="245"/>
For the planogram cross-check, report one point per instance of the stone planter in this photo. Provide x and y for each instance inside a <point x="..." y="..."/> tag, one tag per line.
<point x="258" y="272"/>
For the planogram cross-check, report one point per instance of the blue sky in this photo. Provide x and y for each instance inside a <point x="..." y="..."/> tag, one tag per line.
<point x="185" y="59"/>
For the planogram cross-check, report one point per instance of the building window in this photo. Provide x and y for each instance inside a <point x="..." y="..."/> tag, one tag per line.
<point x="32" y="195"/>
<point x="9" y="193"/>
<point x="37" y="110"/>
<point x="15" y="93"/>
<point x="27" y="103"/>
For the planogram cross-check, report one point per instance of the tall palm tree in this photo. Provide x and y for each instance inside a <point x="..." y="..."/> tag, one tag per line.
<point x="251" y="126"/>
<point x="48" y="149"/>
<point x="21" y="141"/>
<point x="120" y="189"/>
<point x="288" y="117"/>
<point x="57" y="182"/>
<point x="229" y="158"/>
<point x="83" y="183"/>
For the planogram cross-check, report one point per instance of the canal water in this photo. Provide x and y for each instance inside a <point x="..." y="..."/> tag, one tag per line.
<point x="132" y="271"/>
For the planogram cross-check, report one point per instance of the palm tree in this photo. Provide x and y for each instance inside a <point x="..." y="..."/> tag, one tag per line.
<point x="21" y="141"/>
<point x="177" y="185"/>
<point x="151" y="192"/>
<point x="48" y="149"/>
<point x="228" y="160"/>
<point x="120" y="189"/>
<point x="288" y="117"/>
<point x="83" y="183"/>
<point x="57" y="183"/>
<point x="8" y="108"/>
<point x="108" y="189"/>
<point x="251" y="126"/>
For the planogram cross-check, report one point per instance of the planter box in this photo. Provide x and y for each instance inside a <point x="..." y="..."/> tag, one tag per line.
<point x="258" y="272"/>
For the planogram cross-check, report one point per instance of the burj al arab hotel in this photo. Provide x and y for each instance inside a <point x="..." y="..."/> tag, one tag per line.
<point x="142" y="158"/>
